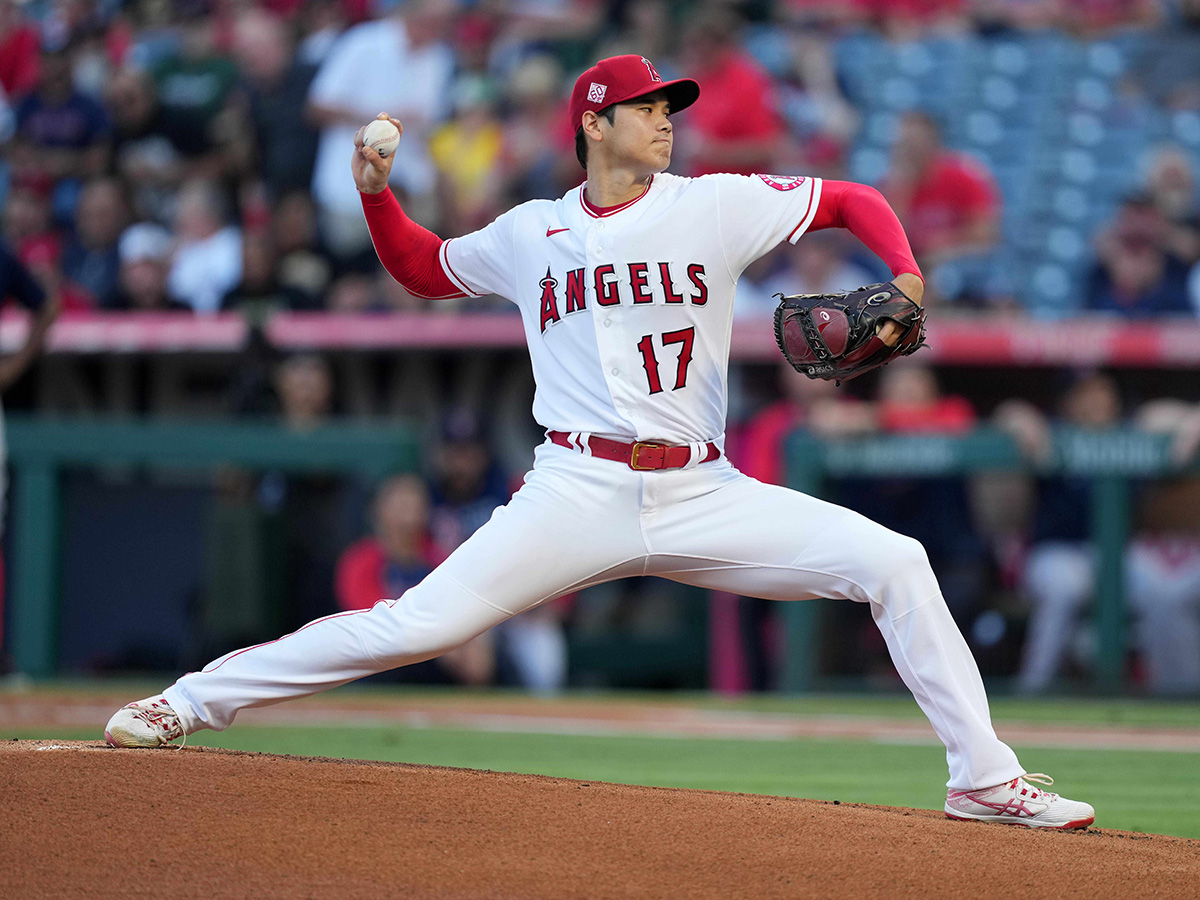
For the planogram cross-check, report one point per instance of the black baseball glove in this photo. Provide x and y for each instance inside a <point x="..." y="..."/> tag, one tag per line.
<point x="834" y="336"/>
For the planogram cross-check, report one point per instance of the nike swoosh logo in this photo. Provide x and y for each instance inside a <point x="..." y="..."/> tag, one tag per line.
<point x="550" y="231"/>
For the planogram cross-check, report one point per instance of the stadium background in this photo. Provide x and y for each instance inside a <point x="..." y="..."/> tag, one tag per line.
<point x="240" y="422"/>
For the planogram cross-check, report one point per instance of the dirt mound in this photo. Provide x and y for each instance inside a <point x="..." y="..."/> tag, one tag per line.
<point x="82" y="820"/>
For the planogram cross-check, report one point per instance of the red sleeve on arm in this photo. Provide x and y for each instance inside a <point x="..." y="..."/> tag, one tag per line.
<point x="866" y="214"/>
<point x="408" y="251"/>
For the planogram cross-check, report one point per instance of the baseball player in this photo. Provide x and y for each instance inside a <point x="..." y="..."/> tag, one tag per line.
<point x="626" y="287"/>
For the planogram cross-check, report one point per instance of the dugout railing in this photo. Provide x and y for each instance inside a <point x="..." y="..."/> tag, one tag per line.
<point x="40" y="450"/>
<point x="1112" y="460"/>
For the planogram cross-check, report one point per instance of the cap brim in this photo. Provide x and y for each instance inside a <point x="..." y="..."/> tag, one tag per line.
<point x="681" y="93"/>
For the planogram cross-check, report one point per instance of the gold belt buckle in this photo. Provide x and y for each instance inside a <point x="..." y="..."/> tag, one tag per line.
<point x="634" y="461"/>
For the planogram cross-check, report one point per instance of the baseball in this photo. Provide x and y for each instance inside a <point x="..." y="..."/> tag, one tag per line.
<point x="382" y="136"/>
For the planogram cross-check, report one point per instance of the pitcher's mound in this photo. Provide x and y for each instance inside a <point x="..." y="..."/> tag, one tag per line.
<point x="83" y="820"/>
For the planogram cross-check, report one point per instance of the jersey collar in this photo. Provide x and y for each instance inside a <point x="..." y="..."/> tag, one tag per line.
<point x="601" y="212"/>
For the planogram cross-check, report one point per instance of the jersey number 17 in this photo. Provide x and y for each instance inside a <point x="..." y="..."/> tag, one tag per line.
<point x="684" y="337"/>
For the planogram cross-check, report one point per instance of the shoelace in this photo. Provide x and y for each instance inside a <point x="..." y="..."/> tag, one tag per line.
<point x="158" y="718"/>
<point x="1036" y="778"/>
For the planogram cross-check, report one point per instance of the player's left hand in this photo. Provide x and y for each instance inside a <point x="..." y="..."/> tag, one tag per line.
<point x="890" y="332"/>
<point x="839" y="336"/>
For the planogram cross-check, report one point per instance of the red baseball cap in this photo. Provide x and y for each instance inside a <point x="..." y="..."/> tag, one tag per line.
<point x="621" y="78"/>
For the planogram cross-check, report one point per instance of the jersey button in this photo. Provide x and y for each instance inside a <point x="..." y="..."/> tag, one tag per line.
<point x="608" y="323"/>
<point x="616" y="371"/>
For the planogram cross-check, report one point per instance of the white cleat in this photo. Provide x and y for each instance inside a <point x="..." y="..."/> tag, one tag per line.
<point x="1018" y="802"/>
<point x="144" y="723"/>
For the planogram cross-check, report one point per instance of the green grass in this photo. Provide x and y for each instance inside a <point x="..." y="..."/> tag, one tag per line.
<point x="1152" y="792"/>
<point x="1051" y="710"/>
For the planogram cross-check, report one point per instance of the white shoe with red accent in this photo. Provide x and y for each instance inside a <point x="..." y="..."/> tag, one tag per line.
<point x="144" y="723"/>
<point x="1019" y="802"/>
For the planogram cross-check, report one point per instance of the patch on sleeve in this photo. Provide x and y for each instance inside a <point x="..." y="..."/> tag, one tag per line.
<point x="784" y="182"/>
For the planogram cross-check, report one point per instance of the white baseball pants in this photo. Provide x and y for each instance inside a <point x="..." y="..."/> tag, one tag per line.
<point x="580" y="521"/>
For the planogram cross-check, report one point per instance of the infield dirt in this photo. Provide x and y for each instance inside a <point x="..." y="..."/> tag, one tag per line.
<point x="82" y="820"/>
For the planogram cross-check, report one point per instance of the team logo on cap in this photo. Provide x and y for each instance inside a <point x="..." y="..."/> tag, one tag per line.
<point x="654" y="76"/>
<point x="596" y="92"/>
<point x="783" y="182"/>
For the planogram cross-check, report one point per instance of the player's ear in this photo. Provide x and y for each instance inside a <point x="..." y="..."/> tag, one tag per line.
<point x="591" y="126"/>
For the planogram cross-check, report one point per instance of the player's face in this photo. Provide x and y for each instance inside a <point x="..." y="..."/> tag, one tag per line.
<point x="641" y="133"/>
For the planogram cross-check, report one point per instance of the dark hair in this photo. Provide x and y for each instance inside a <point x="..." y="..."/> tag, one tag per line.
<point x="609" y="112"/>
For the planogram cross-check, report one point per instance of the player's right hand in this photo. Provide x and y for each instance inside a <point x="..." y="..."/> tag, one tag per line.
<point x="371" y="171"/>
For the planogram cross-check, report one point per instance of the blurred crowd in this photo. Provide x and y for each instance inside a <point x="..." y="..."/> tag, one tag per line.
<point x="194" y="154"/>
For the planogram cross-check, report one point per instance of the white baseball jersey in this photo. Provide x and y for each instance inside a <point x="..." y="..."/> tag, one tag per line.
<point x="628" y="312"/>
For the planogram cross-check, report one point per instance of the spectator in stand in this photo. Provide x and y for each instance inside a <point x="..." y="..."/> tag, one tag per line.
<point x="468" y="487"/>
<point x="197" y="100"/>
<point x="1058" y="573"/>
<point x="1164" y="569"/>
<point x="736" y="128"/>
<point x="472" y="36"/>
<point x="20" y="45"/>
<point x="467" y="152"/>
<point x="303" y="265"/>
<point x="314" y="508"/>
<point x="355" y="292"/>
<point x="348" y="92"/>
<point x="911" y="402"/>
<point x="90" y="258"/>
<point x="208" y="259"/>
<point x="145" y="254"/>
<point x="537" y="137"/>
<point x="811" y="101"/>
<point x="17" y="285"/>
<point x="809" y="403"/>
<point x="1162" y="564"/>
<point x="1134" y="276"/>
<point x="320" y="23"/>
<point x="143" y="155"/>
<point x="936" y="511"/>
<point x="63" y="137"/>
<point x="260" y="293"/>
<point x="947" y="201"/>
<point x="38" y="246"/>
<point x="276" y="83"/>
<point x="27" y="220"/>
<point x="1171" y="184"/>
<point x="395" y="557"/>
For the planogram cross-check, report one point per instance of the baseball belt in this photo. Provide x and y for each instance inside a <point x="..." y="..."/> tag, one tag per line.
<point x="641" y="456"/>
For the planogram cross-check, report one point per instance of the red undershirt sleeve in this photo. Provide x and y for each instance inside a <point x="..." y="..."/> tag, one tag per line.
<point x="408" y="251"/>
<point x="865" y="213"/>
